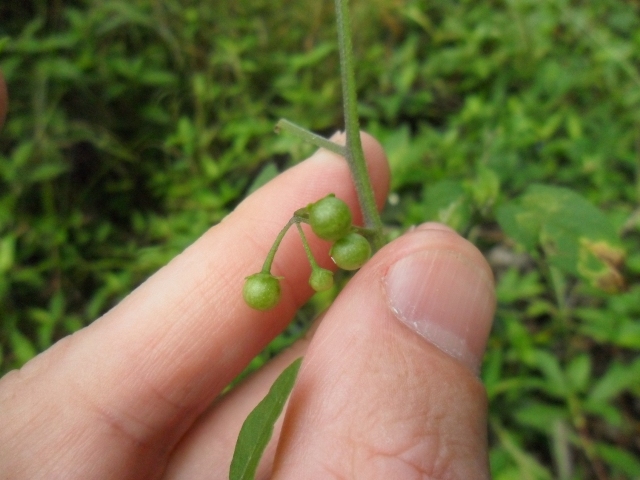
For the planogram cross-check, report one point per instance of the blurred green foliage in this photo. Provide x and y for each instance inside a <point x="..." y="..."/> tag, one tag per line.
<point x="135" y="125"/>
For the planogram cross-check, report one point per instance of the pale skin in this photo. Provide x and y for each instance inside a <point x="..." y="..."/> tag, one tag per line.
<point x="137" y="394"/>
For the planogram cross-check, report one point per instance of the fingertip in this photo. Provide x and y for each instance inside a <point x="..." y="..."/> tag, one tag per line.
<point x="437" y="284"/>
<point x="443" y="290"/>
<point x="406" y="349"/>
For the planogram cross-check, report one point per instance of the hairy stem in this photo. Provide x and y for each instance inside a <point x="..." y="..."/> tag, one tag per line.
<point x="355" y="154"/>
<point x="307" y="249"/>
<point x="266" y="267"/>
<point x="307" y="136"/>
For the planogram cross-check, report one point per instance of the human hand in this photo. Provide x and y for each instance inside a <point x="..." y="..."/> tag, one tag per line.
<point x="387" y="389"/>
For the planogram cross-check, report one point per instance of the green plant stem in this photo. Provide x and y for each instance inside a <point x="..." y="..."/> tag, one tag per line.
<point x="268" y="262"/>
<point x="307" y="249"/>
<point x="307" y="136"/>
<point x="355" y="153"/>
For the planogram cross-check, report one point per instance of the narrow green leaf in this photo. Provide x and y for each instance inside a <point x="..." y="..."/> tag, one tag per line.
<point x="268" y="173"/>
<point x="540" y="415"/>
<point x="528" y="467"/>
<point x="578" y="372"/>
<point x="626" y="462"/>
<point x="23" y="347"/>
<point x="257" y="429"/>
<point x="618" y="378"/>
<point x="555" y="380"/>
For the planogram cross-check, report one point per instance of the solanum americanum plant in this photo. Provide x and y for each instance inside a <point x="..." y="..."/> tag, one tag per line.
<point x="330" y="219"/>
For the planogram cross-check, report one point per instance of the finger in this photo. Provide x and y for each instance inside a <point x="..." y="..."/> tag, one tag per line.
<point x="4" y="100"/>
<point x="388" y="387"/>
<point x="151" y="365"/>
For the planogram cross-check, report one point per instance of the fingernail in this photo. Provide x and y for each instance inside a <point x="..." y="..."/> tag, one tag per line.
<point x="446" y="298"/>
<point x="434" y="226"/>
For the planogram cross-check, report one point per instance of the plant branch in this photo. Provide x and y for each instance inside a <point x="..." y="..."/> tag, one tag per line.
<point x="310" y="137"/>
<point x="307" y="249"/>
<point x="355" y="153"/>
<point x="266" y="267"/>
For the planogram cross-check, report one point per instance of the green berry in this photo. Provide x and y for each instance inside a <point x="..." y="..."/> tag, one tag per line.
<point x="321" y="279"/>
<point x="330" y="218"/>
<point x="261" y="291"/>
<point x="351" y="251"/>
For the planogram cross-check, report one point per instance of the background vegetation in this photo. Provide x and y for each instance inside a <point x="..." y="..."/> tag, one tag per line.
<point x="135" y="125"/>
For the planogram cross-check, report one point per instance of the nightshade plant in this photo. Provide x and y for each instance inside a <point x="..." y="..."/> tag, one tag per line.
<point x="330" y="219"/>
<point x="128" y="138"/>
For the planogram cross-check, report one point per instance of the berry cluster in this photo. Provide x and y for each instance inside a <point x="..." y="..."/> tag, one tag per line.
<point x="330" y="219"/>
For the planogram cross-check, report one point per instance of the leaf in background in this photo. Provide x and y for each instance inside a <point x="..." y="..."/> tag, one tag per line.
<point x="555" y="381"/>
<point x="540" y="415"/>
<point x="23" y="348"/>
<point x="485" y="188"/>
<point x="7" y="252"/>
<point x="578" y="372"/>
<point x="257" y="429"/>
<point x="447" y="202"/>
<point x="528" y="467"/>
<point x="622" y="460"/>
<point x="268" y="173"/>
<point x="407" y="153"/>
<point x="618" y="378"/>
<point x="575" y="236"/>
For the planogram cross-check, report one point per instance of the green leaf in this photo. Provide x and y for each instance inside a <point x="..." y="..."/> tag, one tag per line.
<point x="528" y="467"/>
<point x="540" y="416"/>
<point x="605" y="326"/>
<point x="7" y="252"/>
<point x="626" y="462"/>
<point x="23" y="348"/>
<point x="555" y="381"/>
<point x="447" y="202"/>
<point x="257" y="429"/>
<point x="618" y="378"/>
<point x="4" y="41"/>
<point x="485" y="188"/>
<point x="268" y="173"/>
<point x="49" y="171"/>
<point x="575" y="236"/>
<point x="606" y="412"/>
<point x="514" y="286"/>
<point x="578" y="372"/>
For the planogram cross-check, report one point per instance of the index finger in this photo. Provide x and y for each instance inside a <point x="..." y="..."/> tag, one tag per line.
<point x="152" y="364"/>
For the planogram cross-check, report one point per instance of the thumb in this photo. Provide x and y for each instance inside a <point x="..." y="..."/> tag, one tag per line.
<point x="389" y="387"/>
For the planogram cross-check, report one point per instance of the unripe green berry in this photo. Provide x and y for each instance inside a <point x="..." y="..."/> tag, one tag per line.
<point x="261" y="291"/>
<point x="330" y="218"/>
<point x="321" y="279"/>
<point x="351" y="251"/>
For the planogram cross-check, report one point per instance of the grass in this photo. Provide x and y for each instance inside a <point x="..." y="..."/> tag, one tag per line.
<point x="136" y="125"/>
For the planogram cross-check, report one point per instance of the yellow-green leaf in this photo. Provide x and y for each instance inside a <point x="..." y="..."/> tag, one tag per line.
<point x="257" y="429"/>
